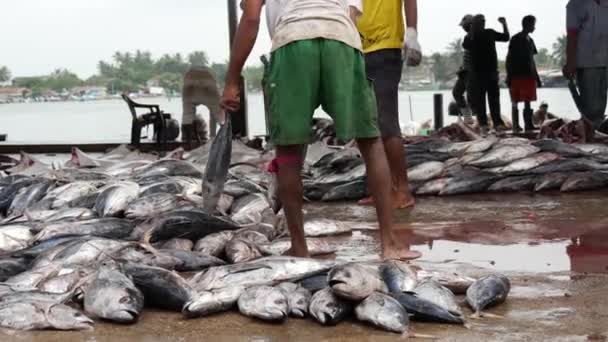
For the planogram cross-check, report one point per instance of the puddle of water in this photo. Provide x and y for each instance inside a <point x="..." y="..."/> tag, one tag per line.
<point x="549" y="257"/>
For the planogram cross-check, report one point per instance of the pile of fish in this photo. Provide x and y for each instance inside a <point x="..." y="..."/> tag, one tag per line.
<point x="440" y="167"/>
<point x="103" y="237"/>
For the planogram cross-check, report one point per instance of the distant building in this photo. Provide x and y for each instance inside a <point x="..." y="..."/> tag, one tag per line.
<point x="158" y="91"/>
<point x="13" y="94"/>
<point x="90" y="92"/>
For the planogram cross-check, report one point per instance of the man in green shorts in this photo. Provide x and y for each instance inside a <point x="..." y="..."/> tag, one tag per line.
<point x="316" y="61"/>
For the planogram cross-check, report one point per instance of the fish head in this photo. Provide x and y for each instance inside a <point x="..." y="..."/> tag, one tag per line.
<point x="349" y="281"/>
<point x="298" y="305"/>
<point x="63" y="317"/>
<point x="276" y="305"/>
<point x="125" y="308"/>
<point x="205" y="304"/>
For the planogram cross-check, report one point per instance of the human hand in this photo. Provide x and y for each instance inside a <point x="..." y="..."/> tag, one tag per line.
<point x="502" y="20"/>
<point x="412" y="49"/>
<point x="230" y="101"/>
<point x="569" y="70"/>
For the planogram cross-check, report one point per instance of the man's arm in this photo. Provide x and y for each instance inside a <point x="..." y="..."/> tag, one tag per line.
<point x="467" y="44"/>
<point x="505" y="35"/>
<point x="572" y="25"/>
<point x="355" y="9"/>
<point x="412" y="48"/>
<point x="411" y="13"/>
<point x="244" y="40"/>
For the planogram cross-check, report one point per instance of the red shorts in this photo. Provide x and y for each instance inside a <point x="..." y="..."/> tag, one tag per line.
<point x="523" y="90"/>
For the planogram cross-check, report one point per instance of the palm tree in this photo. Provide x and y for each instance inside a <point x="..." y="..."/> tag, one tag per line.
<point x="5" y="74"/>
<point x="559" y="50"/>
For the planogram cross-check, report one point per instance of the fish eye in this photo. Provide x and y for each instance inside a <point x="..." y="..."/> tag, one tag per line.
<point x="124" y="300"/>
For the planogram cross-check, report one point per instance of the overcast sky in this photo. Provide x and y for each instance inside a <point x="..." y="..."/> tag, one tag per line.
<point x="38" y="36"/>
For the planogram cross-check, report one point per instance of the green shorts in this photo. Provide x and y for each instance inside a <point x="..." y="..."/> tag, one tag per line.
<point x="307" y="73"/>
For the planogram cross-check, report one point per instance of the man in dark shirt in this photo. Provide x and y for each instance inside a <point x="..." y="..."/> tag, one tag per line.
<point x="522" y="76"/>
<point x="484" y="73"/>
<point x="461" y="84"/>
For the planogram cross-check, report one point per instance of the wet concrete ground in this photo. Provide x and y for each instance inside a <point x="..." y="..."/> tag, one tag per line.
<point x="554" y="248"/>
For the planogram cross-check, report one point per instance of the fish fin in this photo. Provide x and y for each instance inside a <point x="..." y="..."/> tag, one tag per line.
<point x="425" y="336"/>
<point x="490" y="315"/>
<point x="28" y="215"/>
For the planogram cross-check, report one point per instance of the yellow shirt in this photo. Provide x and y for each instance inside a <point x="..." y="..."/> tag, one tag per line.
<point x="382" y="25"/>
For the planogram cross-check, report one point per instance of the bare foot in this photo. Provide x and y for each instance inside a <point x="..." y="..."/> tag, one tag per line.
<point x="366" y="201"/>
<point x="300" y="254"/>
<point x="400" y="254"/>
<point x="394" y="250"/>
<point x="401" y="200"/>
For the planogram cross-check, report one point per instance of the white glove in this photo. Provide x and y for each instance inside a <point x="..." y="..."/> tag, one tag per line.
<point x="412" y="49"/>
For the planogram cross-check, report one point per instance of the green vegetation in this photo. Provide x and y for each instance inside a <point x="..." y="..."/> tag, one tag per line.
<point x="5" y="74"/>
<point x="135" y="71"/>
<point x="444" y="66"/>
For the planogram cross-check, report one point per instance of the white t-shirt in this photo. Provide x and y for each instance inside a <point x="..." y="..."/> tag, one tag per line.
<point x="293" y="20"/>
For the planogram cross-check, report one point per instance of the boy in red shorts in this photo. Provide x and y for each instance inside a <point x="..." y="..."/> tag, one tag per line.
<point x="522" y="76"/>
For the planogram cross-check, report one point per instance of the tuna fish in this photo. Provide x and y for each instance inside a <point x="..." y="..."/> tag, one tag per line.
<point x="355" y="281"/>
<point x="14" y="237"/>
<point x="455" y="282"/>
<point x="210" y="302"/>
<point x="108" y="227"/>
<point x="488" y="291"/>
<point x="218" y="163"/>
<point x="240" y="250"/>
<point x="424" y="310"/>
<point x="315" y="247"/>
<point x="187" y="224"/>
<point x="329" y="309"/>
<point x="346" y="192"/>
<point x="28" y="197"/>
<point x="248" y="209"/>
<point x="113" y="200"/>
<point x="504" y="155"/>
<point x="10" y="267"/>
<point x="298" y="299"/>
<point x="42" y="315"/>
<point x="585" y="181"/>
<point x="214" y="244"/>
<point x="525" y="164"/>
<point x="433" y="187"/>
<point x="384" y="312"/>
<point x="61" y="196"/>
<point x="161" y="288"/>
<point x="152" y="205"/>
<point x="169" y="167"/>
<point x="264" y="302"/>
<point x="438" y="294"/>
<point x="325" y="227"/>
<point x="514" y="184"/>
<point x="550" y="181"/>
<point x="112" y="296"/>
<point x="178" y="244"/>
<point x="425" y="172"/>
<point x="457" y="186"/>
<point x="558" y="147"/>
<point x="265" y="271"/>
<point x="398" y="276"/>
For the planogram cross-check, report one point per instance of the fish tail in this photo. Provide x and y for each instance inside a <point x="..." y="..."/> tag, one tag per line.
<point x="425" y="336"/>
<point x="145" y="243"/>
